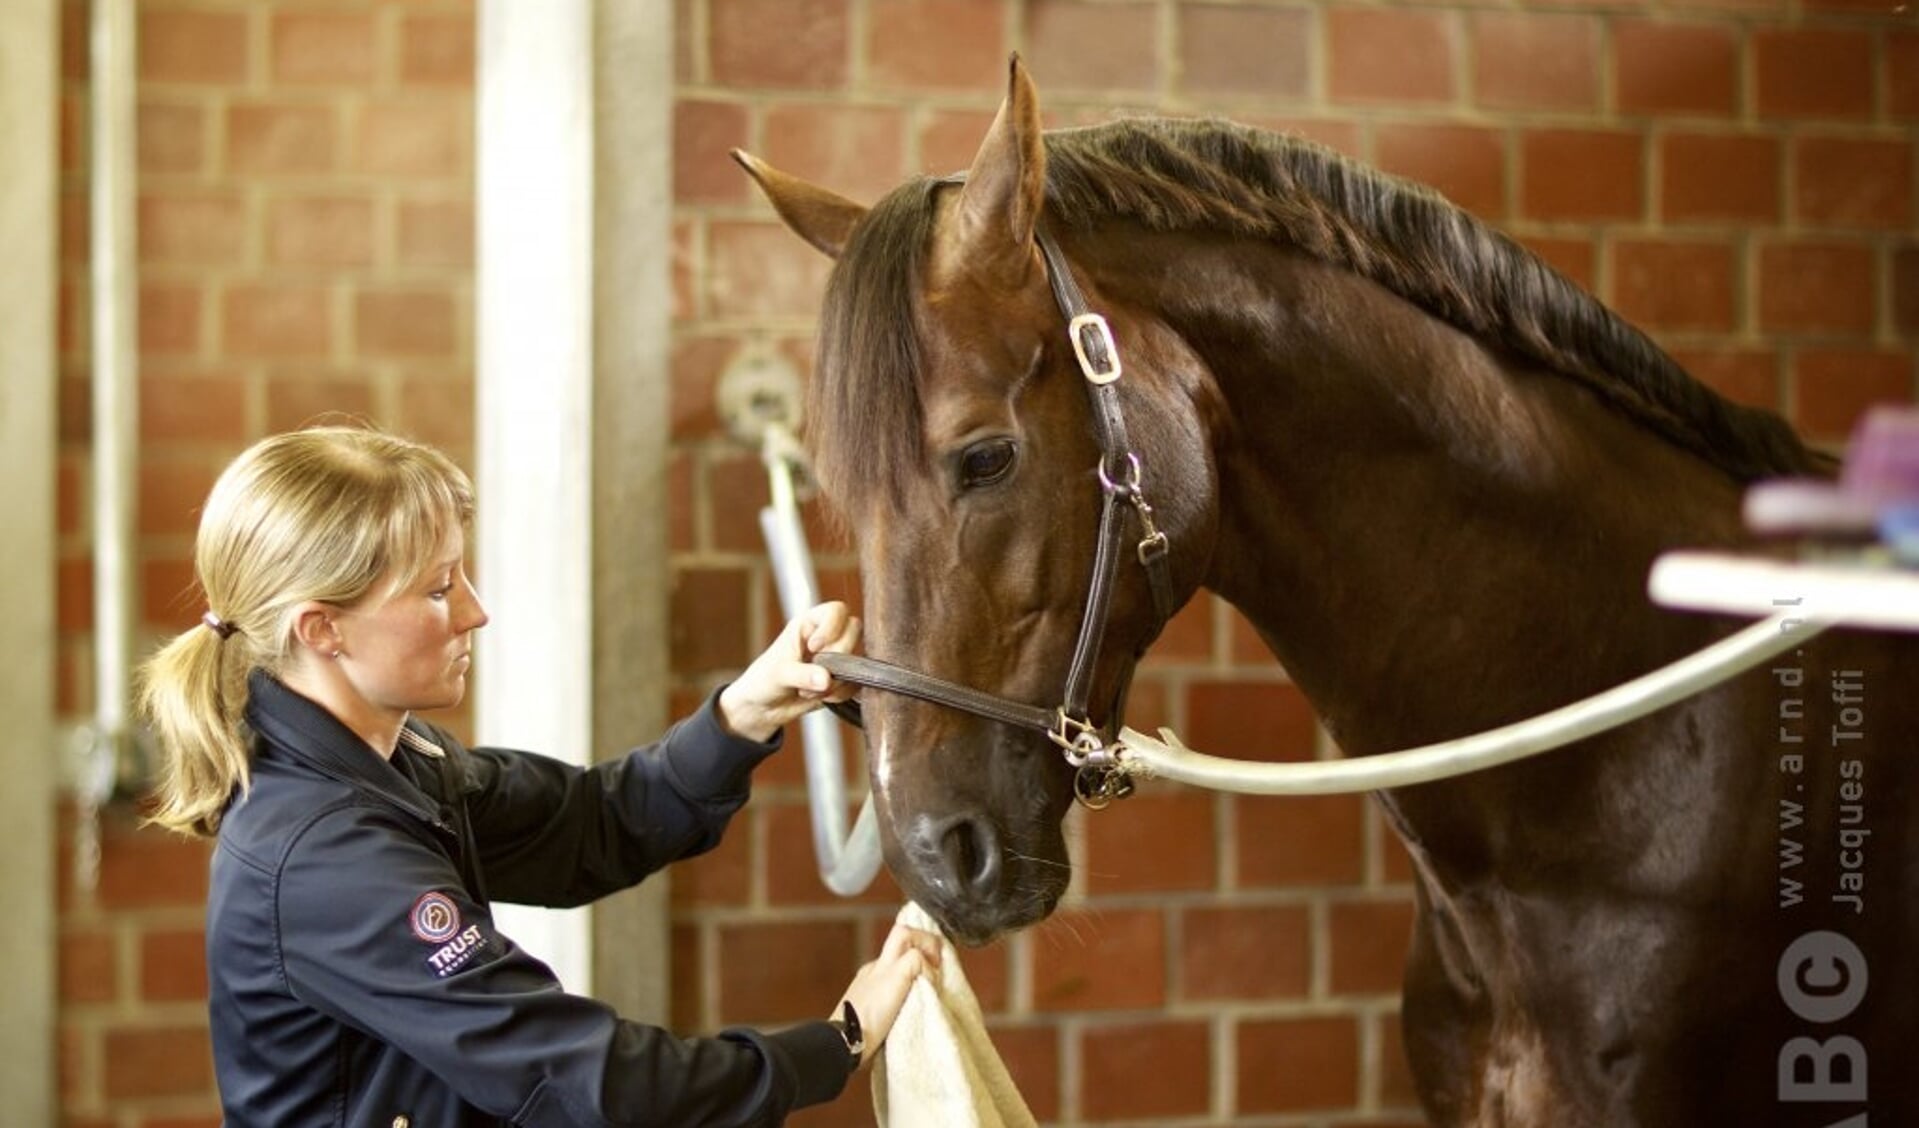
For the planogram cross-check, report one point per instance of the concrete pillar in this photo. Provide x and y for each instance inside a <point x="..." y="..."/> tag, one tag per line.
<point x="574" y="159"/>
<point x="29" y="219"/>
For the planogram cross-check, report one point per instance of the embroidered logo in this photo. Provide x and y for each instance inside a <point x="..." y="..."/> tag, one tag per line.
<point x="435" y="917"/>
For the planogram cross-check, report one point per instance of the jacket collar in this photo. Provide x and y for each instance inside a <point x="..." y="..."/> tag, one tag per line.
<point x="298" y="728"/>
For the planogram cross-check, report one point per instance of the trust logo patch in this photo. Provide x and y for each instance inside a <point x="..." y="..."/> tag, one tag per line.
<point x="435" y="917"/>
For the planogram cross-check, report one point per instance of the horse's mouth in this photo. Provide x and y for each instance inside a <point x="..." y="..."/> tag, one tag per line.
<point x="1034" y="892"/>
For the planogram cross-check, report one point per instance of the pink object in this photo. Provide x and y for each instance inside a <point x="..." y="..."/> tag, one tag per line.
<point x="1880" y="482"/>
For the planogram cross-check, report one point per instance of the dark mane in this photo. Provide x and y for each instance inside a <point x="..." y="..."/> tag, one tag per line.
<point x="1172" y="175"/>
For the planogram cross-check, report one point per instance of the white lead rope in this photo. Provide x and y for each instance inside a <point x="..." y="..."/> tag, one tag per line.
<point x="1146" y="758"/>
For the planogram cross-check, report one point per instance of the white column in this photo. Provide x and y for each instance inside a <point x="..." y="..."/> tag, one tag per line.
<point x="29" y="217"/>
<point x="534" y="671"/>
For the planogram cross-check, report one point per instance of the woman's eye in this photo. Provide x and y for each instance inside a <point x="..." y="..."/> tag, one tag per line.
<point x="986" y="463"/>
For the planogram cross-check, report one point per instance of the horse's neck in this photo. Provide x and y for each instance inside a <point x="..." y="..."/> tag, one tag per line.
<point x="1433" y="539"/>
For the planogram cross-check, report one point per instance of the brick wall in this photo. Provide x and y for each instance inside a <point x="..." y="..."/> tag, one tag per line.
<point x="305" y="247"/>
<point x="1736" y="176"/>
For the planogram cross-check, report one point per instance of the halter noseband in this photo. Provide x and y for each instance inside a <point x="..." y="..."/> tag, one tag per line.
<point x="1068" y="725"/>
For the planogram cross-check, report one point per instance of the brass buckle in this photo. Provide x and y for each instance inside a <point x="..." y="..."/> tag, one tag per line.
<point x="1104" y="334"/>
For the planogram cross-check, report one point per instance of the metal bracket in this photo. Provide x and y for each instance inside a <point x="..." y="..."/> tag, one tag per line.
<point x="759" y="389"/>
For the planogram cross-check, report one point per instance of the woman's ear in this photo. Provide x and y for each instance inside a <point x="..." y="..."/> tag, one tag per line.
<point x="315" y="629"/>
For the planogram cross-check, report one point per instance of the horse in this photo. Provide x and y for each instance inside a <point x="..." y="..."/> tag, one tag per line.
<point x="1432" y="473"/>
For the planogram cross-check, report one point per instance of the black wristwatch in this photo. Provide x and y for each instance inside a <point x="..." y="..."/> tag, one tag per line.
<point x="848" y="1024"/>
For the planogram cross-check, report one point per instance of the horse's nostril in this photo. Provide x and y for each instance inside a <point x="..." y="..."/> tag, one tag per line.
<point x="971" y="856"/>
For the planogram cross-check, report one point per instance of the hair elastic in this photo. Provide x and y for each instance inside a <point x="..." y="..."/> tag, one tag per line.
<point x="218" y="625"/>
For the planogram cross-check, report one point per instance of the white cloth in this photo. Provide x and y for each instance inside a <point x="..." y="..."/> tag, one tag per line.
<point x="938" y="1068"/>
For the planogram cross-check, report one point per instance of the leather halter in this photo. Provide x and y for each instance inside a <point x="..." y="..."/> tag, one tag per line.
<point x="1068" y="725"/>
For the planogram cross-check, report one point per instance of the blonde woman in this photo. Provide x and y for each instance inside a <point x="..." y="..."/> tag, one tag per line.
<point x="356" y="977"/>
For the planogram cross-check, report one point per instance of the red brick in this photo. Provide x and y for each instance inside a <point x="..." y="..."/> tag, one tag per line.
<point x="1244" y="50"/>
<point x="792" y="864"/>
<point x="273" y="139"/>
<point x="169" y="319"/>
<point x="169" y="1061"/>
<point x="1667" y="68"/>
<point x="737" y="490"/>
<point x="1816" y="287"/>
<point x="1031" y="1054"/>
<point x="76" y="234"/>
<point x="1395" y="862"/>
<point x="410" y="322"/>
<point x="89" y="966"/>
<point x="74" y="129"/>
<point x="760" y="270"/>
<point x="70" y="503"/>
<point x="192" y="229"/>
<point x="688" y="973"/>
<point x="1298" y="840"/>
<point x="173" y="965"/>
<point x="936" y="44"/>
<point x="682" y="532"/>
<point x="703" y="135"/>
<point x="322" y="47"/>
<point x="1286" y="1065"/>
<point x="1110" y="959"/>
<point x="301" y="400"/>
<point x="169" y="594"/>
<point x="320" y="231"/>
<point x="1813" y="72"/>
<point x="74" y="39"/>
<point x="419" y="137"/>
<point x="1580" y="174"/>
<point x="1466" y="163"/>
<point x="949" y="139"/>
<point x="1369" y="944"/>
<point x="146" y="868"/>
<point x="438" y="409"/>
<point x="1574" y="258"/>
<point x="1155" y="844"/>
<point x="436" y="49"/>
<point x="435" y="232"/>
<point x="1346" y="135"/>
<point x="685" y="264"/>
<point x="1902" y="73"/>
<point x="810" y="51"/>
<point x="1391" y="55"/>
<point x="1058" y="33"/>
<point x="1905" y="289"/>
<point x="1250" y="720"/>
<point x="710" y="621"/>
<point x="1853" y="183"/>
<point x="171" y="138"/>
<point x="192" y="409"/>
<point x="170" y="496"/>
<point x="1719" y="178"/>
<point x="73" y="595"/>
<point x="1748" y="376"/>
<point x="1187" y="636"/>
<point x="1139" y="1070"/>
<point x="1239" y="954"/>
<point x="859" y="151"/>
<point x="279" y="320"/>
<point x="1523" y="60"/>
<point x="178" y="45"/>
<point x="1666" y="284"/>
<point x="784" y="972"/>
<point x="721" y="877"/>
<point x="1832" y="388"/>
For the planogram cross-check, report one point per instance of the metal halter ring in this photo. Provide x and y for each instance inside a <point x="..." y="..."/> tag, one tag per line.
<point x="1129" y="488"/>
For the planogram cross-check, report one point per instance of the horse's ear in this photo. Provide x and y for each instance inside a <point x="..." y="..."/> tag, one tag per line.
<point x="999" y="207"/>
<point x="816" y="215"/>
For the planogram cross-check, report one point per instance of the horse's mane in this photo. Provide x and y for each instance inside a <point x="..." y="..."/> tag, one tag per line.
<point x="1173" y="175"/>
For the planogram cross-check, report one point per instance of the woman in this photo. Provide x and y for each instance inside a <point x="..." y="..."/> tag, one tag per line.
<point x="356" y="977"/>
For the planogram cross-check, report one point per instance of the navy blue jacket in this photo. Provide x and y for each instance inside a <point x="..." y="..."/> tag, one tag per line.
<point x="356" y="977"/>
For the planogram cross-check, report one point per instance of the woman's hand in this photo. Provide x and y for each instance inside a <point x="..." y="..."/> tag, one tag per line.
<point x="780" y="686"/>
<point x="879" y="989"/>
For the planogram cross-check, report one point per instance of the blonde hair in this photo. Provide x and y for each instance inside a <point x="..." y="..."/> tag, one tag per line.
<point x="325" y="514"/>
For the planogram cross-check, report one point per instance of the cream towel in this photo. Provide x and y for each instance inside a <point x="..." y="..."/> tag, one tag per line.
<point x="938" y="1069"/>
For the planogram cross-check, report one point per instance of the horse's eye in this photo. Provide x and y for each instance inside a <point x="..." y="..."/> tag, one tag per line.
<point x="986" y="463"/>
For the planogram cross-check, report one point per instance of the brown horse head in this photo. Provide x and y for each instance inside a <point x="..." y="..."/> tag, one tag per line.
<point x="949" y="423"/>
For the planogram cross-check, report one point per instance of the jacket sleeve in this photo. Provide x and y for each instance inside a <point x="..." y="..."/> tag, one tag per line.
<point x="555" y="834"/>
<point x="377" y="932"/>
